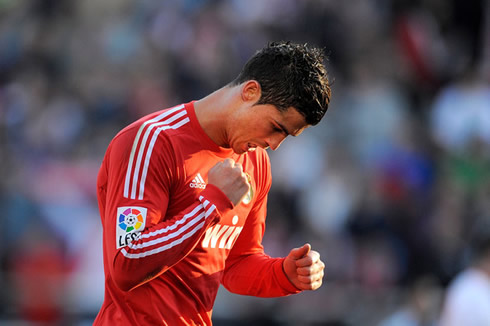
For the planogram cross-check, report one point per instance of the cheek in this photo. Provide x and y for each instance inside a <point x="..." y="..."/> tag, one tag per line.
<point x="258" y="129"/>
<point x="255" y="135"/>
<point x="251" y="130"/>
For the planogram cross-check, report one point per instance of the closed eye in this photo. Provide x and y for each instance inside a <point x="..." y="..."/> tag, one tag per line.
<point x="277" y="127"/>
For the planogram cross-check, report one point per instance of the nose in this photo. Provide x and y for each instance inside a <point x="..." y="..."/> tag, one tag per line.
<point x="275" y="142"/>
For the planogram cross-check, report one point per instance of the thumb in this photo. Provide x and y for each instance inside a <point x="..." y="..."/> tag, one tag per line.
<point x="298" y="253"/>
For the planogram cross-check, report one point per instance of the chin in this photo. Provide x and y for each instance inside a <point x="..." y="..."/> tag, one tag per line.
<point x="241" y="151"/>
<point x="238" y="151"/>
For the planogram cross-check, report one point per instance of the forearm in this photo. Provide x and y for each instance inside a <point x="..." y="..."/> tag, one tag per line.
<point x="258" y="275"/>
<point x="160" y="247"/>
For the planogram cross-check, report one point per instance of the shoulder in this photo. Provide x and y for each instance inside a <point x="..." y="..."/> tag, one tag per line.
<point x="154" y="123"/>
<point x="148" y="142"/>
<point x="146" y="131"/>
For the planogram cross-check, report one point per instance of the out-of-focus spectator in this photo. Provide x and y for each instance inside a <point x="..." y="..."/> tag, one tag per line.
<point x="421" y="306"/>
<point x="38" y="275"/>
<point x="468" y="297"/>
<point x="461" y="114"/>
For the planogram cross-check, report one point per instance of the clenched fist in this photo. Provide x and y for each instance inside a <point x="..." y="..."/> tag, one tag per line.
<point x="304" y="268"/>
<point x="229" y="177"/>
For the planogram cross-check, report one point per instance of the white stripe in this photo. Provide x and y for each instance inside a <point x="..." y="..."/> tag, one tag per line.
<point x="205" y="203"/>
<point x="200" y="178"/>
<point x="143" y="145"/>
<point x="210" y="210"/>
<point x="173" y="226"/>
<point x="135" y="144"/>
<point x="169" y="236"/>
<point x="163" y="248"/>
<point x="150" y="149"/>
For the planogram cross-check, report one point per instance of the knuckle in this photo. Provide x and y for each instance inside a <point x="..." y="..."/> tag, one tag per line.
<point x="320" y="266"/>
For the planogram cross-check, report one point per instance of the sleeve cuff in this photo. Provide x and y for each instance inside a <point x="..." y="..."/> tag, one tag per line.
<point x="218" y="198"/>
<point x="282" y="278"/>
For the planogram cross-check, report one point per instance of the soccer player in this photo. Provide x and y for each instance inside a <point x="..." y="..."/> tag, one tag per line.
<point x="182" y="195"/>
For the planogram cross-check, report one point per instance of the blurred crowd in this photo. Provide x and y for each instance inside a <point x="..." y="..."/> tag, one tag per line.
<point x="389" y="187"/>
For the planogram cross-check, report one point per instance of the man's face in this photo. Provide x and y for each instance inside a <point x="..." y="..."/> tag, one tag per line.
<point x="263" y="126"/>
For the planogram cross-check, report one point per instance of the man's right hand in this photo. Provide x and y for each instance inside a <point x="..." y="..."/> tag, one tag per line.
<point x="229" y="177"/>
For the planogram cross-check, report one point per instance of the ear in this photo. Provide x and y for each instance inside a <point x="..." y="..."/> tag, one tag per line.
<point x="251" y="91"/>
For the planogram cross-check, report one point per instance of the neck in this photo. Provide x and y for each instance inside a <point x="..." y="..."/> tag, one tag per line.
<point x="213" y="113"/>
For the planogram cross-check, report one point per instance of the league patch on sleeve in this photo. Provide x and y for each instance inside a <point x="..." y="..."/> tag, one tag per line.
<point x="130" y="222"/>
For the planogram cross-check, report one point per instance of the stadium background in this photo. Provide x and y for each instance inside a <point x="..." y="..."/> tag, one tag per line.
<point x="387" y="187"/>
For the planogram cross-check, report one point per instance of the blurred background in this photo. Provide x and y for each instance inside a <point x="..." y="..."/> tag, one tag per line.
<point x="388" y="187"/>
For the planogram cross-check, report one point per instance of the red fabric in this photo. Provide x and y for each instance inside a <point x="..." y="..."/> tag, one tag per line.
<point x="193" y="238"/>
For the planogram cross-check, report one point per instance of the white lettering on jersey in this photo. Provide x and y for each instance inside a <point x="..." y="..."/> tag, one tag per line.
<point x="198" y="182"/>
<point x="225" y="233"/>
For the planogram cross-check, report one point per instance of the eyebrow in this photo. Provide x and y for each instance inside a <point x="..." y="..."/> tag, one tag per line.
<point x="285" y="129"/>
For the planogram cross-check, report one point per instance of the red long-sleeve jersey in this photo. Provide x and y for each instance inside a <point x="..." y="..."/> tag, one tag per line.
<point x="169" y="238"/>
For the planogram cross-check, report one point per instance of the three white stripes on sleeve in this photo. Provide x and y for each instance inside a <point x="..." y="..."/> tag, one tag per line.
<point x="181" y="230"/>
<point x="155" y="126"/>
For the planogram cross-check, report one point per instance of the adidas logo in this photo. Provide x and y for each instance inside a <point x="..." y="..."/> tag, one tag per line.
<point x="198" y="182"/>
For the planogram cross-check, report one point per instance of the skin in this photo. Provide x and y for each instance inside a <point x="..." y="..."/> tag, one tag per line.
<point x="231" y="119"/>
<point x="304" y="268"/>
<point x="230" y="178"/>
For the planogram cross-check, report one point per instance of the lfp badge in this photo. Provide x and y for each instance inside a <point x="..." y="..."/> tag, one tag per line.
<point x="130" y="222"/>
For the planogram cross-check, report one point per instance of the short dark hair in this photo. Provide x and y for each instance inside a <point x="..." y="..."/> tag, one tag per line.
<point x="290" y="75"/>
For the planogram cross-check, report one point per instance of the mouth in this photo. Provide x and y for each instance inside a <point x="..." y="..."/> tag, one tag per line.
<point x="251" y="147"/>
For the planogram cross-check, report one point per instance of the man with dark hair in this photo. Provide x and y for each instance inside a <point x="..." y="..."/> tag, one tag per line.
<point x="182" y="195"/>
<point x="290" y="76"/>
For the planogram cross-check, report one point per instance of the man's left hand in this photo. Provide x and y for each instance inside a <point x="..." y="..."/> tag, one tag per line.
<point x="304" y="268"/>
